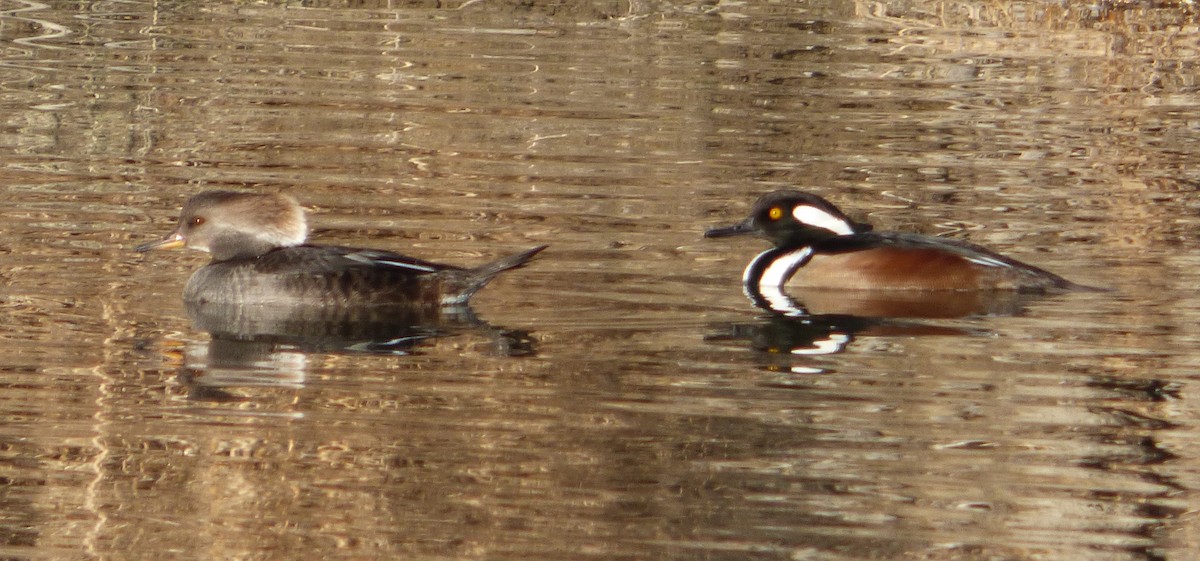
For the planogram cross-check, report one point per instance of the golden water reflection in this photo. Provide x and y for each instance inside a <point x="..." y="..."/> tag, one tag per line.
<point x="621" y="398"/>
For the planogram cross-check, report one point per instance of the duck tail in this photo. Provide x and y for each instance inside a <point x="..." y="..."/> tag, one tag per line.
<point x="475" y="279"/>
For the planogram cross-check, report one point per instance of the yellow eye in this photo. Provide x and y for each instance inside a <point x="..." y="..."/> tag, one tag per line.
<point x="775" y="213"/>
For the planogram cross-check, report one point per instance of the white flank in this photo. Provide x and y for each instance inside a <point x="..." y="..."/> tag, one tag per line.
<point x="814" y="216"/>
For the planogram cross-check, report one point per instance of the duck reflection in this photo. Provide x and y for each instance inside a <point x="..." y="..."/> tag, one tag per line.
<point x="209" y="368"/>
<point x="258" y="346"/>
<point x="779" y="336"/>
<point x="812" y="335"/>
<point x="824" y="321"/>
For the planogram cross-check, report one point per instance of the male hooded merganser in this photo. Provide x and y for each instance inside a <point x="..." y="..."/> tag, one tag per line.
<point x="817" y="246"/>
<point x="259" y="257"/>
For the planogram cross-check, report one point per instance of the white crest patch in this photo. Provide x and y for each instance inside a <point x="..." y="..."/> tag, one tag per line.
<point x="814" y="216"/>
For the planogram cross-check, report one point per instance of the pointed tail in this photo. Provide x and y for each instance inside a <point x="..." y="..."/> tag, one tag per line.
<point x="475" y="279"/>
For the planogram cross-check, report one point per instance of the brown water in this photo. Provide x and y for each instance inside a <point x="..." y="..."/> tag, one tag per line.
<point x="620" y="398"/>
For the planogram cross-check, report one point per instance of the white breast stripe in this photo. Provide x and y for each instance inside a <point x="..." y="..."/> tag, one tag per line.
<point x="769" y="287"/>
<point x="750" y="268"/>
<point x="781" y="268"/>
<point x="814" y="216"/>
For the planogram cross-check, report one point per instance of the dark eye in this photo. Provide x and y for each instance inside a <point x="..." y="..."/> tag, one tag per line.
<point x="196" y="221"/>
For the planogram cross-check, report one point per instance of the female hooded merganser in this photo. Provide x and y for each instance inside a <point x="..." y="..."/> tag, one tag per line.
<point x="259" y="257"/>
<point x="817" y="246"/>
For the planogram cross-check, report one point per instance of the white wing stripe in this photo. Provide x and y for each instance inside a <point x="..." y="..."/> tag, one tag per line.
<point x="412" y="266"/>
<point x="368" y="260"/>
<point x="987" y="261"/>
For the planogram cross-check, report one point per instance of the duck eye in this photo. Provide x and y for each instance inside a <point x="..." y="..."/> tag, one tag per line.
<point x="196" y="221"/>
<point x="775" y="213"/>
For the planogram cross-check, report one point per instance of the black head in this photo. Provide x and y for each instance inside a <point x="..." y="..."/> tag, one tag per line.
<point x="793" y="218"/>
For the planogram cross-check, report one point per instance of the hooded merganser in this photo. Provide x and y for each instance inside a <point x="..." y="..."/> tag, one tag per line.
<point x="817" y="246"/>
<point x="259" y="257"/>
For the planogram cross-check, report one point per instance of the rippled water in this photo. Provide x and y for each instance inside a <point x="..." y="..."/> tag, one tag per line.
<point x="619" y="398"/>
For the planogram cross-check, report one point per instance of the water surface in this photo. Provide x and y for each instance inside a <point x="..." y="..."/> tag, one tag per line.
<point x="620" y="398"/>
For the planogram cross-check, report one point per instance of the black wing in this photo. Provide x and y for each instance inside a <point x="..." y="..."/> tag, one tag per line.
<point x="314" y="259"/>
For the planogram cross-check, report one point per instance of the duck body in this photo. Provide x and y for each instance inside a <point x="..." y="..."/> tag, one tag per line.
<point x="817" y="246"/>
<point x="260" y="258"/>
<point x="896" y="261"/>
<point x="340" y="277"/>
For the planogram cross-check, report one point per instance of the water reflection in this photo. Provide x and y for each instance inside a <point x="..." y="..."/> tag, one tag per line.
<point x="1065" y="432"/>
<point x="780" y="338"/>
<point x="210" y="369"/>
<point x="268" y="346"/>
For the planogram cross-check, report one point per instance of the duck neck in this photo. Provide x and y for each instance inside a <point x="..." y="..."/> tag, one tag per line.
<point x="231" y="247"/>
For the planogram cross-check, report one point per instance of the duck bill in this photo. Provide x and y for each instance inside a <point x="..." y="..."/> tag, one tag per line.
<point x="173" y="241"/>
<point x="744" y="228"/>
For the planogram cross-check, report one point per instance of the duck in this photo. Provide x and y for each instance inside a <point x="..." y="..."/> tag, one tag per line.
<point x="261" y="257"/>
<point x="817" y="246"/>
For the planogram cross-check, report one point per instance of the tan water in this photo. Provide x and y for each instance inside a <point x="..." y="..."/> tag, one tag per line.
<point x="620" y="398"/>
